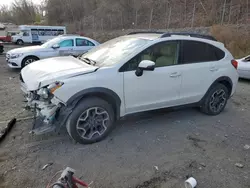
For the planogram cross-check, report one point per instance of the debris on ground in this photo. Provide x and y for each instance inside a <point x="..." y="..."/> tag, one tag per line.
<point x="156" y="168"/>
<point x="190" y="183"/>
<point x="7" y="129"/>
<point x="247" y="147"/>
<point x="90" y="184"/>
<point x="18" y="119"/>
<point x="239" y="165"/>
<point x="203" y="164"/>
<point x="25" y="118"/>
<point x="196" y="141"/>
<point x="13" y="168"/>
<point x="47" y="165"/>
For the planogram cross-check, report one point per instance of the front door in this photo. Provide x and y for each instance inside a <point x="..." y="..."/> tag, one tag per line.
<point x="26" y="36"/>
<point x="154" y="89"/>
<point x="66" y="47"/>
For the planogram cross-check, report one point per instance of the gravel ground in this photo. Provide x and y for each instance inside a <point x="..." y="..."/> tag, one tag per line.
<point x="148" y="150"/>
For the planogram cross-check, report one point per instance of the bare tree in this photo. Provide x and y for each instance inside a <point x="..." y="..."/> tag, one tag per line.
<point x="20" y="12"/>
<point x="121" y="14"/>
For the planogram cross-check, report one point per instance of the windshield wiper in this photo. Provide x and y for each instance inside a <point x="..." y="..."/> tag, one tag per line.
<point x="89" y="61"/>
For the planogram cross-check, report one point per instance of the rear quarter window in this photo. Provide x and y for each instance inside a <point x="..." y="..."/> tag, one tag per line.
<point x="198" y="52"/>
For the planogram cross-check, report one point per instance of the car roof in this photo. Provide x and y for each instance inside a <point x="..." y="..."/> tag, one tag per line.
<point x="161" y="36"/>
<point x="148" y="36"/>
<point x="63" y="37"/>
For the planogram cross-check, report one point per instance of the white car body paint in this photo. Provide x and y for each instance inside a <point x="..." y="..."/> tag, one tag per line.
<point x="244" y="67"/>
<point x="43" y="51"/>
<point x="164" y="87"/>
<point x="47" y="71"/>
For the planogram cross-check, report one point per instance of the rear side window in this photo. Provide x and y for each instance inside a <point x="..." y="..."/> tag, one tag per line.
<point x="197" y="52"/>
<point x="83" y="42"/>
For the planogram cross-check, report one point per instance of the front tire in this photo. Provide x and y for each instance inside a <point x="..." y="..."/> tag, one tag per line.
<point x="28" y="60"/>
<point x="19" y="42"/>
<point x="215" y="100"/>
<point x="91" y="121"/>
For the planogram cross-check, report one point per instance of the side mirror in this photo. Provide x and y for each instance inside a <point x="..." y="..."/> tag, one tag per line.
<point x="55" y="46"/>
<point x="145" y="65"/>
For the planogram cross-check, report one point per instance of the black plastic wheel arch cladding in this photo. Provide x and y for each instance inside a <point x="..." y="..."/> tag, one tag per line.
<point x="104" y="93"/>
<point x="225" y="81"/>
<point x="219" y="80"/>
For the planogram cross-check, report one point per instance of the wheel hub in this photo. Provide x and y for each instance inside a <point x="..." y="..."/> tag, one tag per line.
<point x="92" y="123"/>
<point x="28" y="61"/>
<point x="218" y="100"/>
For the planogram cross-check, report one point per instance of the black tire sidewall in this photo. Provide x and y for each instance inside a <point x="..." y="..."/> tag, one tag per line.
<point x="19" y="42"/>
<point x="206" y="107"/>
<point x="25" y="59"/>
<point x="79" y="109"/>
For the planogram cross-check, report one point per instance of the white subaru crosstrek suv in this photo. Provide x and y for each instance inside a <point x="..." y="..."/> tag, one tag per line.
<point x="63" y="45"/>
<point x="133" y="73"/>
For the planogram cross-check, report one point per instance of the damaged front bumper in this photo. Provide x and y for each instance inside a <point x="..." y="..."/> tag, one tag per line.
<point x="49" y="113"/>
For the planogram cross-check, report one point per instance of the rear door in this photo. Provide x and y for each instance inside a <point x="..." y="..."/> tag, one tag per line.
<point x="82" y="46"/>
<point x="199" y="67"/>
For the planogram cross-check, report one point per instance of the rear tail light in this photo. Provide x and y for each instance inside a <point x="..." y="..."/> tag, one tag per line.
<point x="234" y="63"/>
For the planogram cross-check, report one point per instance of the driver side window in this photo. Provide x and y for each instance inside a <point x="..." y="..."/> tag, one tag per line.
<point x="66" y="43"/>
<point x="26" y="33"/>
<point x="163" y="54"/>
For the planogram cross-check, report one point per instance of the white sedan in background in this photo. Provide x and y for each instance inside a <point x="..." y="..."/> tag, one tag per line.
<point x="63" y="45"/>
<point x="244" y="67"/>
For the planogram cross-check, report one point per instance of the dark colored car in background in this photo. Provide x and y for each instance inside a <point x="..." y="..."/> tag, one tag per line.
<point x="1" y="48"/>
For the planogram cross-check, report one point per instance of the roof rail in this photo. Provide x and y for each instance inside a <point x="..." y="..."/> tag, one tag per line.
<point x="190" y="34"/>
<point x="145" y="32"/>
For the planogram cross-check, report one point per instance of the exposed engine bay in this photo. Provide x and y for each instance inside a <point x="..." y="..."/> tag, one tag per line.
<point x="45" y="105"/>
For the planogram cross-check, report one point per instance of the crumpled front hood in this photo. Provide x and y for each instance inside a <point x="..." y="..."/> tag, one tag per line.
<point x="47" y="71"/>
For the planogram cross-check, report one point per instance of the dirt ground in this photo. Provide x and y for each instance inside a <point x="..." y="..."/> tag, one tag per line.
<point x="149" y="150"/>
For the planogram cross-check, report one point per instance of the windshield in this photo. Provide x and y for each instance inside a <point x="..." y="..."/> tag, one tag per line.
<point x="114" y="51"/>
<point x="51" y="42"/>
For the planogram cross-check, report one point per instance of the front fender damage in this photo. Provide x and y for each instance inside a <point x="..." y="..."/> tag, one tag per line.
<point x="49" y="115"/>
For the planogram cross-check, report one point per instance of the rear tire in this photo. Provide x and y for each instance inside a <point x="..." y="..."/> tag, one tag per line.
<point x="91" y="121"/>
<point x="215" y="100"/>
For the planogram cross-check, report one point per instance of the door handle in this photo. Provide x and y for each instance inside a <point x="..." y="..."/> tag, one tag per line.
<point x="175" y="74"/>
<point x="213" y="69"/>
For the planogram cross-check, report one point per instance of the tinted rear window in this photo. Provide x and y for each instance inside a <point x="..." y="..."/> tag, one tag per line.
<point x="196" y="52"/>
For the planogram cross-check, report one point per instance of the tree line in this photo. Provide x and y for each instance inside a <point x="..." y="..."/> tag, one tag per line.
<point x="125" y="14"/>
